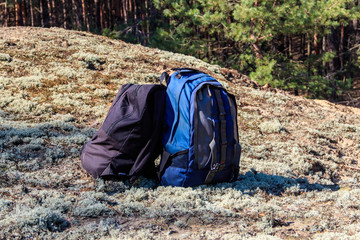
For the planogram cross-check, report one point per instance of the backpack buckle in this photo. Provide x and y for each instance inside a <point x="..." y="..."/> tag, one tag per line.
<point x="178" y="75"/>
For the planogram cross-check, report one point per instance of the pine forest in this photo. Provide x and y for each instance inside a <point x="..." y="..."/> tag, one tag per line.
<point x="308" y="47"/>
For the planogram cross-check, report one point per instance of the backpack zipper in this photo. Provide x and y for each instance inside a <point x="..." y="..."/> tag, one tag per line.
<point x="124" y="117"/>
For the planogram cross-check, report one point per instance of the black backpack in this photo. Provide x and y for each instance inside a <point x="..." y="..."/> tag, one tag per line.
<point x="129" y="140"/>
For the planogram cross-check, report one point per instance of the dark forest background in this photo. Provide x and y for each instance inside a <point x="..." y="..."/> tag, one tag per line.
<point x="309" y="47"/>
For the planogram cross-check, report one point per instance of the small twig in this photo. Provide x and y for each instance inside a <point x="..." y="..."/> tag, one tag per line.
<point x="114" y="209"/>
<point x="353" y="168"/>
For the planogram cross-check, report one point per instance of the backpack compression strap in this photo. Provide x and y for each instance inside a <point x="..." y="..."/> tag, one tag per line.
<point x="217" y="166"/>
<point x="165" y="77"/>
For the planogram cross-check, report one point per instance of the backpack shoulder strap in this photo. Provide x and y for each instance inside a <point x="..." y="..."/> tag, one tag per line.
<point x="217" y="165"/>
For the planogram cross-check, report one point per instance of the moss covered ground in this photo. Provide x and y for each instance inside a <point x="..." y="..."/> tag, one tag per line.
<point x="300" y="164"/>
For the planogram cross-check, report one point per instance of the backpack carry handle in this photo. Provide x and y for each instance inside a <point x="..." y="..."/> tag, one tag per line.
<point x="184" y="69"/>
<point x="166" y="77"/>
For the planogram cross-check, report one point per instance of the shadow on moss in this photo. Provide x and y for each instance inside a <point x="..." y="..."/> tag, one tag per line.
<point x="252" y="182"/>
<point x="249" y="183"/>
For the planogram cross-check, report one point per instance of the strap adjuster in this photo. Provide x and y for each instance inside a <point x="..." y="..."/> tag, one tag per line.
<point x="216" y="166"/>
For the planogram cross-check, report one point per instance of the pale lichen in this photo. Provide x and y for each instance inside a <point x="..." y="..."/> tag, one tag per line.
<point x="298" y="164"/>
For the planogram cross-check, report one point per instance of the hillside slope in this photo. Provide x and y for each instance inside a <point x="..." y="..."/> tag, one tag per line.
<point x="300" y="164"/>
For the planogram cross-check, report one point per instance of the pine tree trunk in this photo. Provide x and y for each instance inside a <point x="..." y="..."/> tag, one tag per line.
<point x="2" y="16"/>
<point x="41" y="11"/>
<point x="18" y="17"/>
<point x="134" y="10"/>
<point x="323" y="52"/>
<point x="308" y="45"/>
<point x="44" y="14"/>
<point x="118" y="10"/>
<point x="16" y="13"/>
<point x="80" y="15"/>
<point x="85" y="16"/>
<point x="147" y="19"/>
<point x="50" y="10"/>
<point x="130" y="7"/>
<point x="316" y="44"/>
<point x="125" y="9"/>
<point x="31" y="13"/>
<point x="90" y="6"/>
<point x="290" y="46"/>
<point x="111" y="14"/>
<point x="23" y="12"/>
<point x="341" y="46"/>
<point x="6" y="15"/>
<point x="54" y="13"/>
<point x="65" y="14"/>
<point x="303" y="44"/>
<point x="97" y="15"/>
<point x="105" y="14"/>
<point x="75" y="14"/>
<point x="36" y="13"/>
<point x="101" y="13"/>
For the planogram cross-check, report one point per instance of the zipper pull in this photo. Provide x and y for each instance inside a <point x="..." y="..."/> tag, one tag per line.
<point x="209" y="92"/>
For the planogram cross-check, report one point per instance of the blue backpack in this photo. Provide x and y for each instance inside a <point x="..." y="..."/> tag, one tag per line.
<point x="200" y="139"/>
